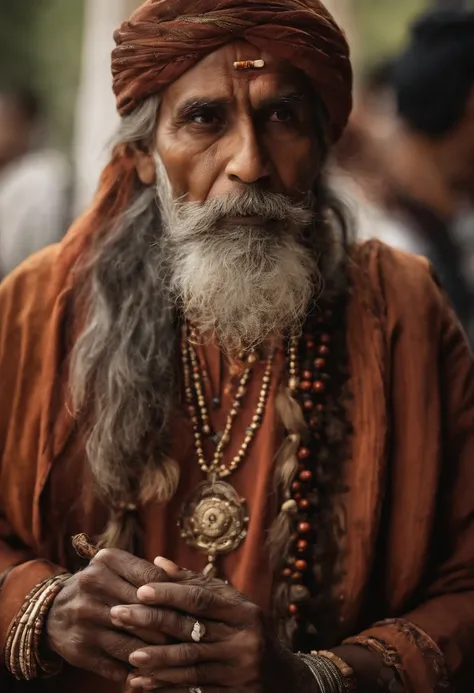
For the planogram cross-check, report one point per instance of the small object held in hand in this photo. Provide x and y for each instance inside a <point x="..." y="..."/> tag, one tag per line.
<point x="197" y="632"/>
<point x="84" y="547"/>
<point x="249" y="64"/>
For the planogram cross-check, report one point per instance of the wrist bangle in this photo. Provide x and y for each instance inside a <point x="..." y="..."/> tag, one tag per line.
<point x="311" y="664"/>
<point x="346" y="671"/>
<point x="22" y="650"/>
<point x="326" y="673"/>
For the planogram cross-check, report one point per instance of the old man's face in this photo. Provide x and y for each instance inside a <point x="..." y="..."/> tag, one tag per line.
<point x="221" y="130"/>
<point x="240" y="151"/>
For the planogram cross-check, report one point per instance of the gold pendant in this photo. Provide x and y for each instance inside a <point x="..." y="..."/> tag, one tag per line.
<point x="214" y="520"/>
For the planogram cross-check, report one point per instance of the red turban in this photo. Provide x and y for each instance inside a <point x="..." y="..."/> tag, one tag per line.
<point x="164" y="38"/>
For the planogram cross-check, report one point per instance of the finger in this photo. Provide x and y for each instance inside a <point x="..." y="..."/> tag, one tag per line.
<point x="145" y="683"/>
<point x="188" y="577"/>
<point x="211" y="674"/>
<point x="98" y="580"/>
<point x="137" y="682"/>
<point x="178" y="655"/>
<point x="196" y="601"/>
<point x="151" y="635"/>
<point x="147" y="620"/>
<point x="170" y="568"/>
<point x="108" y="669"/>
<point x="136" y="571"/>
<point x="118" y="645"/>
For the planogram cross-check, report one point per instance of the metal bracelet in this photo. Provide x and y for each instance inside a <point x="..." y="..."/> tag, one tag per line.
<point x="334" y="674"/>
<point x="325" y="672"/>
<point x="309" y="661"/>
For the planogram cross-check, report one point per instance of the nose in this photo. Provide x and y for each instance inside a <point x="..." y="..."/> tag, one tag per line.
<point x="248" y="163"/>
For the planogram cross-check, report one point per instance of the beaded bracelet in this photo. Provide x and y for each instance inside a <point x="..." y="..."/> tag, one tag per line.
<point x="327" y="674"/>
<point x="22" y="650"/>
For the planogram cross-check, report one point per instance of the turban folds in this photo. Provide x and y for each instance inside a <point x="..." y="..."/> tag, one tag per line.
<point x="164" y="38"/>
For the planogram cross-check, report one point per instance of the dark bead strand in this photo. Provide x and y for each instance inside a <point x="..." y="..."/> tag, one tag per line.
<point x="309" y="387"/>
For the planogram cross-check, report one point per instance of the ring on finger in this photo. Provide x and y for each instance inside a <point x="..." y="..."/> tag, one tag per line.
<point x="197" y="634"/>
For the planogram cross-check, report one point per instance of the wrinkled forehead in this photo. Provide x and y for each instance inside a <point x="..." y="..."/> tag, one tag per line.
<point x="226" y="74"/>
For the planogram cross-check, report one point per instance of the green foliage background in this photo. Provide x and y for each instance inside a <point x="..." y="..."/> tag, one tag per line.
<point x="382" y="25"/>
<point x="40" y="47"/>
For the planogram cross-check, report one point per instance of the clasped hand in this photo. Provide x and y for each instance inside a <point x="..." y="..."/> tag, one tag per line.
<point x="228" y="626"/>
<point x="128" y="620"/>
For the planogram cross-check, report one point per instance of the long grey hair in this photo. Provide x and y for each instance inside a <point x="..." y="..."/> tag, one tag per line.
<point x="122" y="368"/>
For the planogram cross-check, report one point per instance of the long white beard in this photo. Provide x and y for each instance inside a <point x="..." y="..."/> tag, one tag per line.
<point x="241" y="284"/>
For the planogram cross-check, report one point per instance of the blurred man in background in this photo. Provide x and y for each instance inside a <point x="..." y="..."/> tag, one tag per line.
<point x="407" y="159"/>
<point x="34" y="182"/>
<point x="432" y="162"/>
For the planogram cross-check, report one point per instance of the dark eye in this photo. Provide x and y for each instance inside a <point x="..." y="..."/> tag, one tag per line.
<point x="205" y="116"/>
<point x="283" y="114"/>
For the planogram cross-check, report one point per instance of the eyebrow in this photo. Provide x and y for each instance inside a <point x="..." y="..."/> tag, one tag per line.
<point x="191" y="105"/>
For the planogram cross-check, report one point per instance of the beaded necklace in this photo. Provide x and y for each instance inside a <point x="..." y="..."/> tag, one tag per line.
<point x="306" y="606"/>
<point x="214" y="519"/>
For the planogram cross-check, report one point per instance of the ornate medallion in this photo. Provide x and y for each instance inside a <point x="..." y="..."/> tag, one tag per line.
<point x="214" y="520"/>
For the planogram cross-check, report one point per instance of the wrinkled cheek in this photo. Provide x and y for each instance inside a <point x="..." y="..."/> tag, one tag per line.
<point x="298" y="166"/>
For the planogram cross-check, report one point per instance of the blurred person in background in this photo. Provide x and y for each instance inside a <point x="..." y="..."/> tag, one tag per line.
<point x="34" y="181"/>
<point x="360" y="166"/>
<point x="407" y="161"/>
<point x="432" y="159"/>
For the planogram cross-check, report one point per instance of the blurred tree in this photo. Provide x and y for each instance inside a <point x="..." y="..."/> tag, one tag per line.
<point x="40" y="47"/>
<point x="17" y="50"/>
<point x="58" y="34"/>
<point x="383" y="25"/>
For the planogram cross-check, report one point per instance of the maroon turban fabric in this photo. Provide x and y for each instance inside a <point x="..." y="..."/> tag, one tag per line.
<point x="164" y="38"/>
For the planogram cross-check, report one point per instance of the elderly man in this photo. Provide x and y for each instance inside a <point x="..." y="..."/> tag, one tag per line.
<point x="267" y="429"/>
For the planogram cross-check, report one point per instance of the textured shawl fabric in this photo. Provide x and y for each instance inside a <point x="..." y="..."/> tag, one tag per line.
<point x="164" y="38"/>
<point x="409" y="509"/>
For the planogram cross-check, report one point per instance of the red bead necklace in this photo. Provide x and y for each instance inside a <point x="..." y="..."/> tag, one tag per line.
<point x="308" y="360"/>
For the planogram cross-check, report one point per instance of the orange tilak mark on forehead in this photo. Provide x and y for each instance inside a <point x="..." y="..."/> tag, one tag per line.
<point x="249" y="64"/>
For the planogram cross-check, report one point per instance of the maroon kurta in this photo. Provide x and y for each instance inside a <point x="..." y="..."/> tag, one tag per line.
<point x="410" y="505"/>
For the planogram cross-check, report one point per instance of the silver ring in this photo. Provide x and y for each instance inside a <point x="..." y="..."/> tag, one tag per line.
<point x="197" y="635"/>
<point x="196" y="690"/>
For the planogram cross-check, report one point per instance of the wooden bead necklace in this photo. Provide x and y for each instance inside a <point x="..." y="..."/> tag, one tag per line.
<point x="215" y="520"/>
<point x="308" y="360"/>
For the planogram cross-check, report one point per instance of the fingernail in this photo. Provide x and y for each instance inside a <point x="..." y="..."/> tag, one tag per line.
<point x="120" y="613"/>
<point x="166" y="565"/>
<point x="147" y="594"/>
<point x="141" y="683"/>
<point x="140" y="658"/>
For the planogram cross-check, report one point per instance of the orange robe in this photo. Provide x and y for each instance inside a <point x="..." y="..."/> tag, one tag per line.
<point x="410" y="505"/>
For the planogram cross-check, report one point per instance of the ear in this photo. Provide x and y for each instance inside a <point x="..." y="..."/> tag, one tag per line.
<point x="145" y="165"/>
